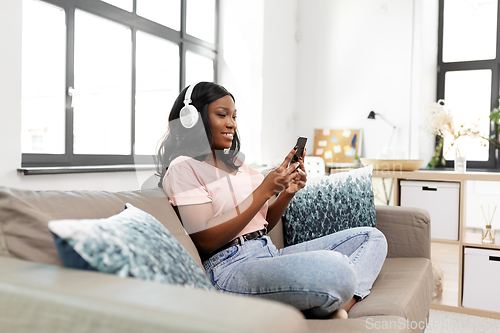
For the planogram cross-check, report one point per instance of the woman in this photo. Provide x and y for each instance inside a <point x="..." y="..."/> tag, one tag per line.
<point x="223" y="205"/>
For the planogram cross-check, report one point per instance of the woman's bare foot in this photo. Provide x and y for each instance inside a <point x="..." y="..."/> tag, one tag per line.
<point x="340" y="314"/>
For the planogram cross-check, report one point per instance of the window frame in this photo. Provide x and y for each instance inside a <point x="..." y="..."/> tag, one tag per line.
<point x="134" y="22"/>
<point x="491" y="64"/>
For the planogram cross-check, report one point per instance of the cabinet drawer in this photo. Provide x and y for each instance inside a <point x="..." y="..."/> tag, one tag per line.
<point x="481" y="276"/>
<point x="440" y="199"/>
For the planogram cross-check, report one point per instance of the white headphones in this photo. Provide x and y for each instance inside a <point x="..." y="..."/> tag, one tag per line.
<point x="189" y="114"/>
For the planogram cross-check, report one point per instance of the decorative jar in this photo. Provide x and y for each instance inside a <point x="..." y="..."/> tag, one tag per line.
<point x="488" y="235"/>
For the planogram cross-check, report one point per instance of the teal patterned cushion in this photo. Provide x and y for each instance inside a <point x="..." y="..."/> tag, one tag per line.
<point x="132" y="243"/>
<point x="329" y="204"/>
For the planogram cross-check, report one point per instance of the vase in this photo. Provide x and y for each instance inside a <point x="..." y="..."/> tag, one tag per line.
<point x="488" y="235"/>
<point x="460" y="156"/>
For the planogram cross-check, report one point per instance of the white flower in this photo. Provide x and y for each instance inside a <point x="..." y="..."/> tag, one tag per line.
<point x="439" y="122"/>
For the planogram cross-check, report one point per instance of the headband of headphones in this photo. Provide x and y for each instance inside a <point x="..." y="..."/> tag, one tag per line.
<point x="189" y="91"/>
<point x="189" y="114"/>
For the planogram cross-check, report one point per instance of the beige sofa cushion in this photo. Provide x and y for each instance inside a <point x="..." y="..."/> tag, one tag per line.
<point x="24" y="216"/>
<point x="399" y="299"/>
<point x="403" y="288"/>
<point x="407" y="230"/>
<point x="51" y="299"/>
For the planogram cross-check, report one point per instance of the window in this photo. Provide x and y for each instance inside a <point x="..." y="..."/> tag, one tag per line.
<point x="468" y="77"/>
<point x="99" y="77"/>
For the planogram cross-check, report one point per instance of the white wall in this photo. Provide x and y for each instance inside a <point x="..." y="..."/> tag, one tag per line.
<point x="240" y="68"/>
<point x="424" y="82"/>
<point x="358" y="55"/>
<point x="10" y="122"/>
<point x="258" y="65"/>
<point x="10" y="90"/>
<point x="279" y="71"/>
<point x="327" y="63"/>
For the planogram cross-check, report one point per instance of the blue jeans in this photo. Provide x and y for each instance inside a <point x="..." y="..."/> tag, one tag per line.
<point x="319" y="276"/>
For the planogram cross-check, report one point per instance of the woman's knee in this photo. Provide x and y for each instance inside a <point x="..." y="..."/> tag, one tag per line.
<point x="336" y="275"/>
<point x="324" y="280"/>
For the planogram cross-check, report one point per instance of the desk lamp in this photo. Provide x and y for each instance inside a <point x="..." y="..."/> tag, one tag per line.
<point x="372" y="116"/>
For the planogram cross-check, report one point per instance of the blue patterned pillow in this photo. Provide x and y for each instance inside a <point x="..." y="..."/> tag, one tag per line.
<point x="329" y="204"/>
<point x="132" y="243"/>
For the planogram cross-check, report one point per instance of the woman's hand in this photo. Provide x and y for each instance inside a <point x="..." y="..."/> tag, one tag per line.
<point x="280" y="178"/>
<point x="299" y="181"/>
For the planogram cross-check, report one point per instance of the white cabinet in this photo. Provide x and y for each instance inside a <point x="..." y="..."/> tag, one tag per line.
<point x="446" y="195"/>
<point x="481" y="276"/>
<point x="440" y="199"/>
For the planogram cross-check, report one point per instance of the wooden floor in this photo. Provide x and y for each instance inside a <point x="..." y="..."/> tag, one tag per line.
<point x="446" y="257"/>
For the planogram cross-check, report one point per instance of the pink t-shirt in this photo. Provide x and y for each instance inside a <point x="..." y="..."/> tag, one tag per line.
<point x="190" y="182"/>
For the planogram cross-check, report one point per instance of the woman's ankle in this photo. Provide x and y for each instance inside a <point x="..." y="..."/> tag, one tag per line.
<point x="349" y="304"/>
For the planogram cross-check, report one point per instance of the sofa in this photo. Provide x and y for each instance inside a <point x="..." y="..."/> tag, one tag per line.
<point x="39" y="294"/>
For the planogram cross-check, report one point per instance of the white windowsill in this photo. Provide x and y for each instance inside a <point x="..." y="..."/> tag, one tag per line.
<point x="84" y="169"/>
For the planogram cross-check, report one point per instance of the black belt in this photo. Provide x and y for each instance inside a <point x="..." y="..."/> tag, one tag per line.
<point x="237" y="241"/>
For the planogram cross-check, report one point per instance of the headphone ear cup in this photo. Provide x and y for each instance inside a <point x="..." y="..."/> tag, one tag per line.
<point x="189" y="116"/>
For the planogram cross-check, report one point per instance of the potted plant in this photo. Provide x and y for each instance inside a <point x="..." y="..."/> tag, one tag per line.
<point x="440" y="122"/>
<point x="495" y="118"/>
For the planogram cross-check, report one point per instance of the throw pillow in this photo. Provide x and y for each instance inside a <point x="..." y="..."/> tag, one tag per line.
<point x="328" y="204"/>
<point x="132" y="243"/>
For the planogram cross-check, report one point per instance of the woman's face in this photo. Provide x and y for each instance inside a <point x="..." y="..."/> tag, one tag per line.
<point x="222" y="116"/>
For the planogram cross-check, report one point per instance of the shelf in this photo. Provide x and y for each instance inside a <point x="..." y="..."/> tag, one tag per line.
<point x="438" y="175"/>
<point x="473" y="239"/>
<point x="449" y="255"/>
<point x="465" y="310"/>
<point x="445" y="241"/>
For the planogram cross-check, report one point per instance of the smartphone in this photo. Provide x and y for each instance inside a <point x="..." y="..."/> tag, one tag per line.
<point x="300" y="145"/>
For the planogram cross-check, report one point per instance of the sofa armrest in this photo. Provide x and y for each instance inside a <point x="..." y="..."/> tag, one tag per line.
<point x="406" y="229"/>
<point x="46" y="298"/>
